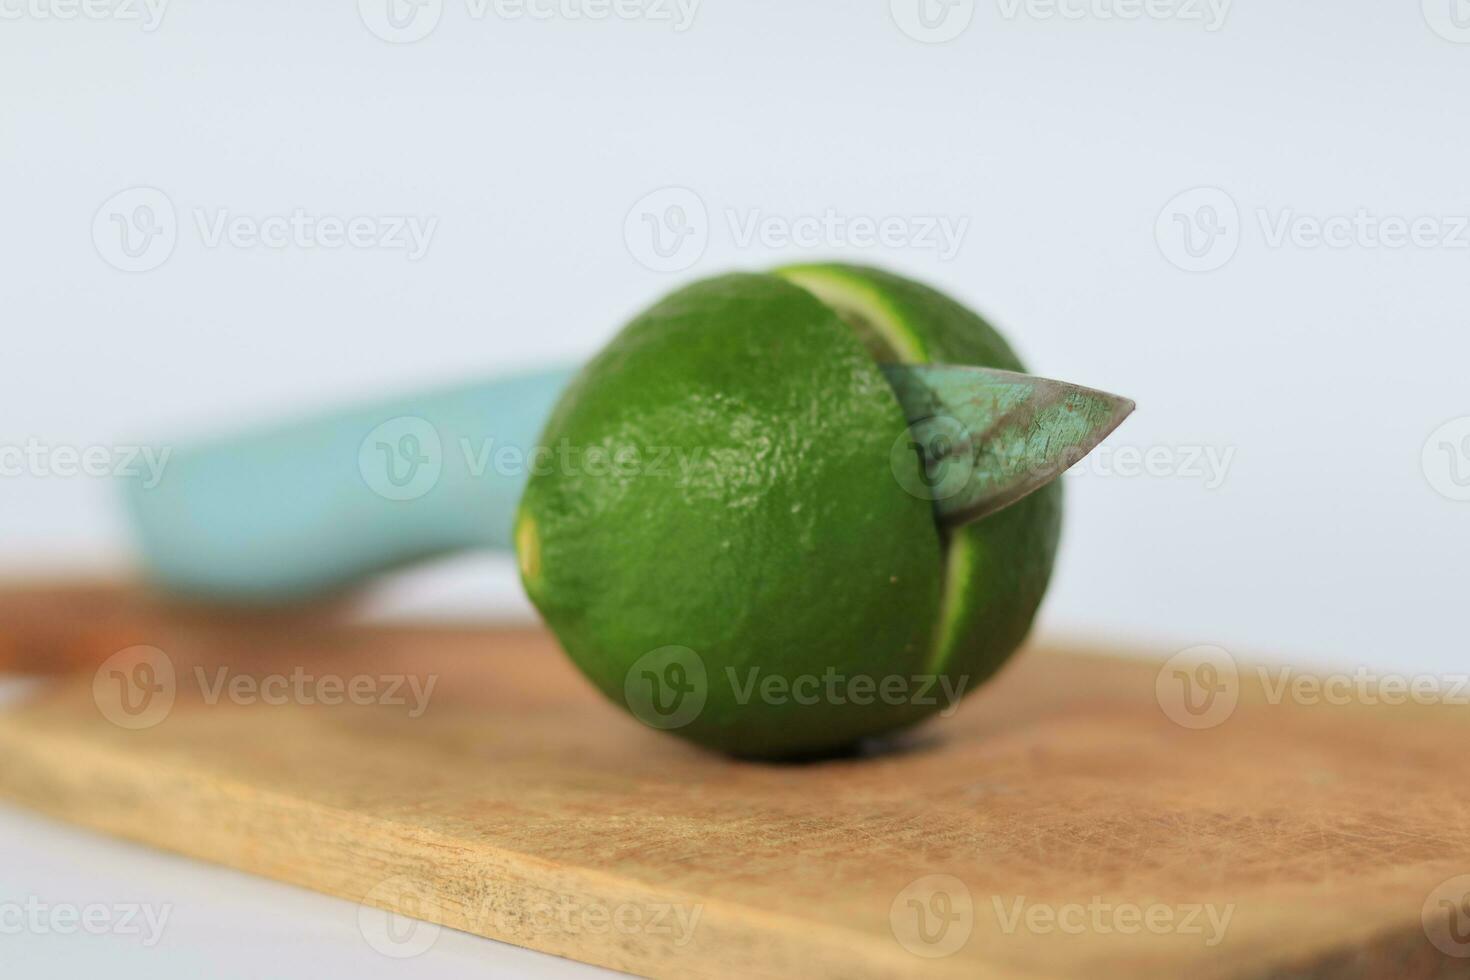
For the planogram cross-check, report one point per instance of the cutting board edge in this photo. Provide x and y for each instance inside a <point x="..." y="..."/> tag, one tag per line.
<point x="744" y="946"/>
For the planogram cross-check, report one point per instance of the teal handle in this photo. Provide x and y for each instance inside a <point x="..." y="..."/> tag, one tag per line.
<point x="317" y="504"/>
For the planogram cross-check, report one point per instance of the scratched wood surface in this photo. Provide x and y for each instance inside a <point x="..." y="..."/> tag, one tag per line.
<point x="1060" y="824"/>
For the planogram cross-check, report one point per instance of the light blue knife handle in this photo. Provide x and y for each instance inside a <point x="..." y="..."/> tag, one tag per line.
<point x="317" y="504"/>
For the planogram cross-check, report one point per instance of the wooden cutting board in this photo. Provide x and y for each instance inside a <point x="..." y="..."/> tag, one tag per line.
<point x="1060" y="824"/>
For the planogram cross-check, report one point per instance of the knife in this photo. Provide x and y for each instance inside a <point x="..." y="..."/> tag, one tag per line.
<point x="314" y="505"/>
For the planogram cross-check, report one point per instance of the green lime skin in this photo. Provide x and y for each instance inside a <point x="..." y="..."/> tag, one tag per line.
<point x="719" y="541"/>
<point x="998" y="568"/>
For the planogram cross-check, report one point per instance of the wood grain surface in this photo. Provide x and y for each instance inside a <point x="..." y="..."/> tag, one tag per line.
<point x="1062" y="823"/>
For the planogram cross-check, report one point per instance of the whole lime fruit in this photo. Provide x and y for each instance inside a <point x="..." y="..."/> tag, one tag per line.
<point x="720" y="543"/>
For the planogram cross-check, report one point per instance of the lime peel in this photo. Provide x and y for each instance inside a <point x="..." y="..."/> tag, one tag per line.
<point x="828" y="567"/>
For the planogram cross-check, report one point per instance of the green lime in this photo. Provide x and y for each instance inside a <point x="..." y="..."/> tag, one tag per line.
<point x="720" y="542"/>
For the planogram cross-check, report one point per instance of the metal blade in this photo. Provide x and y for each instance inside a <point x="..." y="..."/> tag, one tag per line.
<point x="980" y="439"/>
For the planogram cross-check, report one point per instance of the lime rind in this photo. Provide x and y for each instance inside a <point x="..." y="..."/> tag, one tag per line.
<point x="862" y="306"/>
<point x="788" y="546"/>
<point x="997" y="569"/>
<point x="762" y="529"/>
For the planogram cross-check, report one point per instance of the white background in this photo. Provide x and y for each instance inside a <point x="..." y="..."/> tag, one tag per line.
<point x="200" y="920"/>
<point x="1321" y="371"/>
